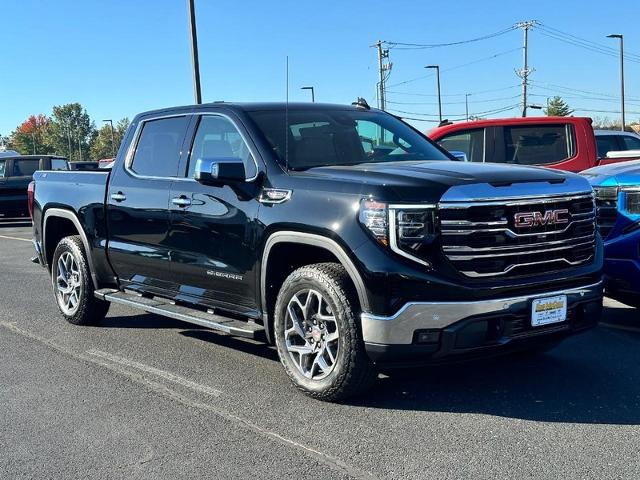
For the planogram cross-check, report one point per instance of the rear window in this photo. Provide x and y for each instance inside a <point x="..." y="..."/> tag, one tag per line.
<point x="538" y="144"/>
<point x="25" y="168"/>
<point x="631" y="143"/>
<point x="158" y="151"/>
<point x="606" y="143"/>
<point x="59" y="164"/>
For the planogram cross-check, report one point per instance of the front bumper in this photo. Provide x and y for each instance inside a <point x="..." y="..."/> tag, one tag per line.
<point x="434" y="330"/>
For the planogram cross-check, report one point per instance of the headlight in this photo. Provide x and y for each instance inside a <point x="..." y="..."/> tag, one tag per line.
<point x="631" y="200"/>
<point x="409" y="230"/>
<point x="413" y="231"/>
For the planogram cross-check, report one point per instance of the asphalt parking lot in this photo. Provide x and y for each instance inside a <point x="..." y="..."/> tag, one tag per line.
<point x="147" y="397"/>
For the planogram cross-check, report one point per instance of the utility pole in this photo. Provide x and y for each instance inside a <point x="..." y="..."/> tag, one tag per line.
<point x="194" y="51"/>
<point x="113" y="139"/>
<point x="621" y="37"/>
<point x="466" y="105"/>
<point x="525" y="71"/>
<point x="437" y="68"/>
<point x="384" y="65"/>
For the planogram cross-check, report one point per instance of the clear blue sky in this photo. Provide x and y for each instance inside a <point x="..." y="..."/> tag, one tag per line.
<point x="120" y="57"/>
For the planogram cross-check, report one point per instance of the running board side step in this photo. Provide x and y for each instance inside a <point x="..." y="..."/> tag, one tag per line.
<point x="164" y="307"/>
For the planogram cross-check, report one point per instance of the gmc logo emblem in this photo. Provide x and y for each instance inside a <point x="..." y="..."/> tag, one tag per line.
<point x="536" y="219"/>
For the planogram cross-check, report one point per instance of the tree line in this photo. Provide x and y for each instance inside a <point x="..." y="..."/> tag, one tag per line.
<point x="69" y="132"/>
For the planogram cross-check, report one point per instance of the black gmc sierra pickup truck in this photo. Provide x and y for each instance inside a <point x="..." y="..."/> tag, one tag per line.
<point x="339" y="233"/>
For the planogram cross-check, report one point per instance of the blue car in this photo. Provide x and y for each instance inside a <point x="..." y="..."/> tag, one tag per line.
<point x="617" y="188"/>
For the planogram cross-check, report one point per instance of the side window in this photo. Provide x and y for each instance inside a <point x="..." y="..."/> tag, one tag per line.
<point x="2" y="166"/>
<point x="59" y="164"/>
<point x="539" y="144"/>
<point x="471" y="142"/>
<point x="606" y="143"/>
<point x="632" y="143"/>
<point x="25" y="168"/>
<point x="218" y="137"/>
<point x="158" y="151"/>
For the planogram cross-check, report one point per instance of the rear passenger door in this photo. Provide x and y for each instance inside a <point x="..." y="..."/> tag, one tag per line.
<point x="138" y="205"/>
<point x="213" y="227"/>
<point x="536" y="144"/>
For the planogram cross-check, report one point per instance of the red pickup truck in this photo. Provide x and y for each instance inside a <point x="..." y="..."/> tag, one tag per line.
<point x="564" y="143"/>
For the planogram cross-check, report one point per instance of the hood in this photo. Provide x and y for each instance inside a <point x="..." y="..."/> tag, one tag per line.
<point x="419" y="181"/>
<point x="448" y="173"/>
<point x="624" y="173"/>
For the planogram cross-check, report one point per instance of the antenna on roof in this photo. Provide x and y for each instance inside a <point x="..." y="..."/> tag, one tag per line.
<point x="362" y="103"/>
<point x="286" y="119"/>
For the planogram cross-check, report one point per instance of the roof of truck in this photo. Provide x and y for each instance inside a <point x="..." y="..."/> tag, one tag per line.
<point x="489" y="122"/>
<point x="255" y="106"/>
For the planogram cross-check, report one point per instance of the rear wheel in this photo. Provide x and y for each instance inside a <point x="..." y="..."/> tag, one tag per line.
<point x="317" y="336"/>
<point x="72" y="284"/>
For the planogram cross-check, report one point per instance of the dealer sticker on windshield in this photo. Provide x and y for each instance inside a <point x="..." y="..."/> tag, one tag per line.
<point x="548" y="310"/>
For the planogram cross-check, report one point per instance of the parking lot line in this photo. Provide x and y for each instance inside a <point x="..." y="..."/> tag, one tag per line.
<point x="15" y="238"/>
<point x="171" y="377"/>
<point x="115" y="364"/>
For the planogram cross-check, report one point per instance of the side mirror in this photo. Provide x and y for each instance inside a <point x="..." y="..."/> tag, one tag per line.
<point x="219" y="170"/>
<point x="459" y="155"/>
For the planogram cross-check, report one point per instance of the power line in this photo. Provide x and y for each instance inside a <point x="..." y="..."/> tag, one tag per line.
<point x="487" y="100"/>
<point x="487" y="112"/>
<point x="555" y="88"/>
<point x="584" y="43"/>
<point x="421" y="46"/>
<point x="483" y="59"/>
<point x="480" y="92"/>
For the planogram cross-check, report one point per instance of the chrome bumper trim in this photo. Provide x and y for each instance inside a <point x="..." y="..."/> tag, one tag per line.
<point x="398" y="329"/>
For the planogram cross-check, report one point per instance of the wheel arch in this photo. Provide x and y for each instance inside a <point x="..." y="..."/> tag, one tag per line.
<point x="54" y="216"/>
<point x="312" y="240"/>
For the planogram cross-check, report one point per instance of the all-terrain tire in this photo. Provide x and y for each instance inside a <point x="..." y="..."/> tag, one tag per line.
<point x="79" y="307"/>
<point x="352" y="372"/>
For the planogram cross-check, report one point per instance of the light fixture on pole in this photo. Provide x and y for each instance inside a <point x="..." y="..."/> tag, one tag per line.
<point x="113" y="140"/>
<point x="621" y="37"/>
<point x="313" y="93"/>
<point x="437" y="68"/>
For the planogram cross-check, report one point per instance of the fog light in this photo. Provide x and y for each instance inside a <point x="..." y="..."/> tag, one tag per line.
<point x="427" y="336"/>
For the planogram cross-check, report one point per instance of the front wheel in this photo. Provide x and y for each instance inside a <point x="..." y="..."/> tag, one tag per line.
<point x="317" y="336"/>
<point x="72" y="284"/>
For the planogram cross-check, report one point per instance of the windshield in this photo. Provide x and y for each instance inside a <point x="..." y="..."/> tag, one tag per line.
<point x="323" y="137"/>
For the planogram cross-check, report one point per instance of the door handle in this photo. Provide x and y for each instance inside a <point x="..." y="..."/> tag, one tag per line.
<point x="118" y="197"/>
<point x="181" y="201"/>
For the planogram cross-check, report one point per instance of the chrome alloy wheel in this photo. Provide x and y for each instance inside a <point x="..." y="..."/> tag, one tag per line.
<point x="68" y="283"/>
<point x="311" y="334"/>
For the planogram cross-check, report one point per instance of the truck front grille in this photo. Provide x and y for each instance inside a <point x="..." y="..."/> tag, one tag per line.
<point x="518" y="237"/>
<point x="607" y="209"/>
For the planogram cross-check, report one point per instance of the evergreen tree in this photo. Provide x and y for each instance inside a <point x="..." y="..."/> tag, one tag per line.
<point x="557" y="108"/>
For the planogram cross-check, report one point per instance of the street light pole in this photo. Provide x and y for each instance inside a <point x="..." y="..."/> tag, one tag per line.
<point x="113" y="140"/>
<point x="194" y="51"/>
<point x="313" y="93"/>
<point x="437" y="67"/>
<point x="466" y="105"/>
<point x="621" y="37"/>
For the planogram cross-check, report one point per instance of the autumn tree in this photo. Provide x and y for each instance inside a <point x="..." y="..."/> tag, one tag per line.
<point x="71" y="131"/>
<point x="30" y="137"/>
<point x="557" y="108"/>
